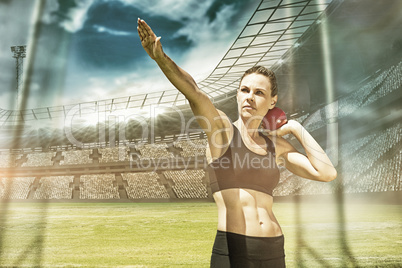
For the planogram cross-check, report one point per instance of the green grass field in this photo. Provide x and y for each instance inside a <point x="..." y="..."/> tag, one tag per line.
<point x="182" y="234"/>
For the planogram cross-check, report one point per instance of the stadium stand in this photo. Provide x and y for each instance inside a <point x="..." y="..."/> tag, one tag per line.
<point x="39" y="159"/>
<point x="391" y="83"/>
<point x="286" y="185"/>
<point x="8" y="160"/>
<point x="114" y="154"/>
<point x="380" y="86"/>
<point x="301" y="118"/>
<point x="144" y="185"/>
<point x="358" y="97"/>
<point x="54" y="187"/>
<point x="15" y="188"/>
<point x="381" y="178"/>
<point x="363" y="160"/>
<point x="362" y="170"/>
<point x="152" y="151"/>
<point x="188" y="183"/>
<point x="191" y="147"/>
<point x="76" y="157"/>
<point x="98" y="186"/>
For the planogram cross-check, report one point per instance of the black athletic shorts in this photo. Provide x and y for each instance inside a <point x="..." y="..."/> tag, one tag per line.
<point x="235" y="250"/>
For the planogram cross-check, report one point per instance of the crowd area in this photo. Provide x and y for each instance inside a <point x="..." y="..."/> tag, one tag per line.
<point x="15" y="188"/>
<point x="379" y="86"/>
<point x="191" y="148"/>
<point x="114" y="154"/>
<point x="99" y="186"/>
<point x="188" y="183"/>
<point x="384" y="177"/>
<point x="55" y="187"/>
<point x="144" y="185"/>
<point x="74" y="157"/>
<point x="361" y="170"/>
<point x="140" y="185"/>
<point x="9" y="160"/>
<point x="369" y="163"/>
<point x="154" y="150"/>
<point x="41" y="159"/>
<point x="364" y="167"/>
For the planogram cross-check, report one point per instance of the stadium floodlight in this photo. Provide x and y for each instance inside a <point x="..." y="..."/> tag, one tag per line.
<point x="19" y="53"/>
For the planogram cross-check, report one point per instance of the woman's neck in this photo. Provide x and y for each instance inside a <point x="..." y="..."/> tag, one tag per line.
<point x="249" y="128"/>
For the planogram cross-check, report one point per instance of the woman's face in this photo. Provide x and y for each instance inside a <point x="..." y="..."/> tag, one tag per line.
<point x="254" y="96"/>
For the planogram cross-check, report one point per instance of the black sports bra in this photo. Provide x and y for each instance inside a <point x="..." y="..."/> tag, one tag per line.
<point x="239" y="167"/>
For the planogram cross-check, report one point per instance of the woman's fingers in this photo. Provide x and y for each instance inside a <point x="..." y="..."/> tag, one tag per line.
<point x="147" y="29"/>
<point x="140" y="33"/>
<point x="140" y="29"/>
<point x="144" y="29"/>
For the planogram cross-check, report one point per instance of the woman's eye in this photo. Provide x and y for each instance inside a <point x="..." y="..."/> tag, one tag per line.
<point x="260" y="93"/>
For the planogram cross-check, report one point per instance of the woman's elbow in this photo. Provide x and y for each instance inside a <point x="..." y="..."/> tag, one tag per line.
<point x="330" y="175"/>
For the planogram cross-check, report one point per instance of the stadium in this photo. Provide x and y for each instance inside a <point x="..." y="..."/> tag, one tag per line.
<point x="123" y="182"/>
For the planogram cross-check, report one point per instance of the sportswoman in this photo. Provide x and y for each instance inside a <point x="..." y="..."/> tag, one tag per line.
<point x="243" y="164"/>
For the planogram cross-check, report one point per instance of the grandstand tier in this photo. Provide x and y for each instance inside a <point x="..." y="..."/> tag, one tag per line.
<point x="173" y="176"/>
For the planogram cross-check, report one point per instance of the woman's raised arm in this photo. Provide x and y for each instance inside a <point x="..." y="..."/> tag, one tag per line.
<point x="177" y="76"/>
<point x="213" y="122"/>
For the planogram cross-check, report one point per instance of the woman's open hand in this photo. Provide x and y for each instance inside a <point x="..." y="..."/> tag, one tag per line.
<point x="149" y="41"/>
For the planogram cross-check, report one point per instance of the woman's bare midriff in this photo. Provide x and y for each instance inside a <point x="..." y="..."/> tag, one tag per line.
<point x="247" y="212"/>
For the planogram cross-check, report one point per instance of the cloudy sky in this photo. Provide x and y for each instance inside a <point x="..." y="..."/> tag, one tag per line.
<point x="89" y="49"/>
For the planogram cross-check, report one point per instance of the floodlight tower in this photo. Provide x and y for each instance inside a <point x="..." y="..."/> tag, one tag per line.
<point x="19" y="55"/>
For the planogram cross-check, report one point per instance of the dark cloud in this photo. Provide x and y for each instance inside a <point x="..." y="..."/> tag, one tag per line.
<point x="64" y="6"/>
<point x="218" y="5"/>
<point x="108" y="48"/>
